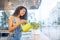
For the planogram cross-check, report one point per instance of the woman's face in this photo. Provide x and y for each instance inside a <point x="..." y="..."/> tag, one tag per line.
<point x="22" y="12"/>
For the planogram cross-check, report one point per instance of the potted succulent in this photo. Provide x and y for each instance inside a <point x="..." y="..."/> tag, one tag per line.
<point x="35" y="30"/>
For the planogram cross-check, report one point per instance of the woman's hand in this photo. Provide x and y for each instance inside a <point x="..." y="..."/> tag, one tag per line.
<point x="19" y="22"/>
<point x="22" y="21"/>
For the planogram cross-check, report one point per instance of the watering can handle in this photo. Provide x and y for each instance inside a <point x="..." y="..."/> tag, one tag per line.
<point x="25" y="23"/>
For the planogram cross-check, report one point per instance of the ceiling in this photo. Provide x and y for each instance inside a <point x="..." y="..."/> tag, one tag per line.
<point x="12" y="4"/>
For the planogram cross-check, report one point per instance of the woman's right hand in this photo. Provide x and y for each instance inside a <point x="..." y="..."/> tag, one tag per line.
<point x="22" y="21"/>
<point x="19" y="22"/>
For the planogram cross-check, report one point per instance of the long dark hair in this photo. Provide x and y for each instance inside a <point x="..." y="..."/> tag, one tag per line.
<point x="17" y="11"/>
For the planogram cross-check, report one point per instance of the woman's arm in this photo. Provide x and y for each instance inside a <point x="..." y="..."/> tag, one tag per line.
<point x="11" y="26"/>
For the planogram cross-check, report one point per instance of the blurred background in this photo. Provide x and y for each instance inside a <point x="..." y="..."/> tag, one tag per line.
<point x="45" y="12"/>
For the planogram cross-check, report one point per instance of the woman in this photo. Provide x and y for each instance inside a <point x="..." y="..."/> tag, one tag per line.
<point x="19" y="17"/>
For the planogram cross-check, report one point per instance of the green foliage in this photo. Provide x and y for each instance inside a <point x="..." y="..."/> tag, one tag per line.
<point x="35" y="25"/>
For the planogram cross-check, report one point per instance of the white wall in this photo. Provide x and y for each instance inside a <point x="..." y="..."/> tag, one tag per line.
<point x="45" y="8"/>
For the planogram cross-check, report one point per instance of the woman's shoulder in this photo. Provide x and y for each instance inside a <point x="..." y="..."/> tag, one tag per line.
<point x="10" y="17"/>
